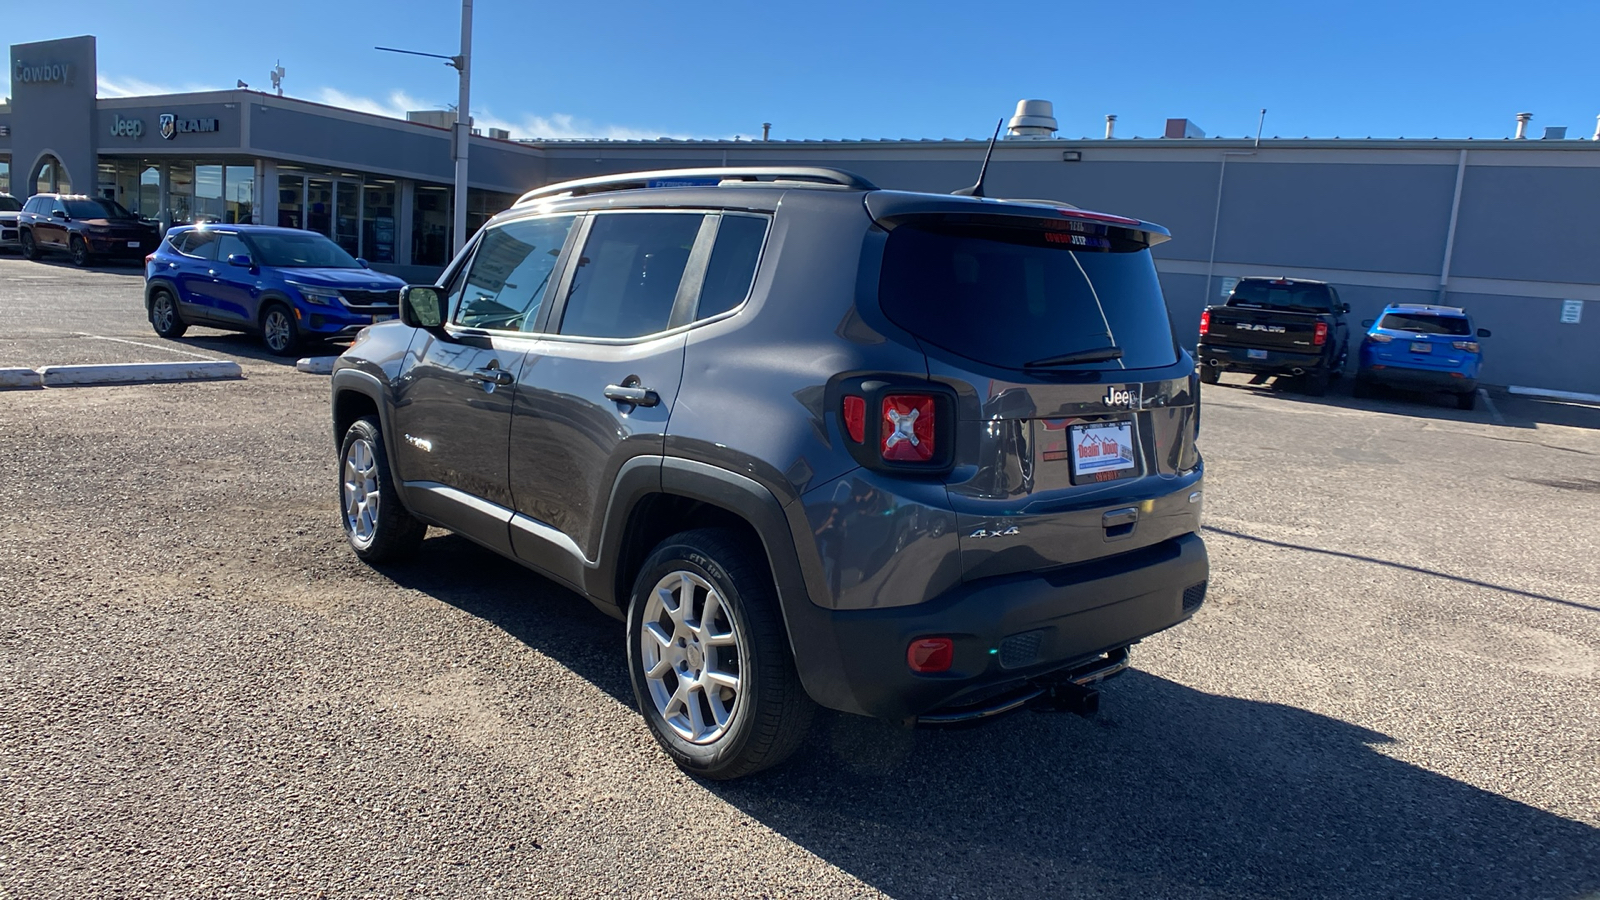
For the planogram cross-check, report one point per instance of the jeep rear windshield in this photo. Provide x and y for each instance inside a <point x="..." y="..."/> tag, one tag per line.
<point x="1009" y="296"/>
<point x="1298" y="297"/>
<point x="1451" y="325"/>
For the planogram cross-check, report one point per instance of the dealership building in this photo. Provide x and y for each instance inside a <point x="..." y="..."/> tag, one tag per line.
<point x="1506" y="228"/>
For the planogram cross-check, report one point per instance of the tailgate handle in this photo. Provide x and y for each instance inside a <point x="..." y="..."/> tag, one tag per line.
<point x="1119" y="523"/>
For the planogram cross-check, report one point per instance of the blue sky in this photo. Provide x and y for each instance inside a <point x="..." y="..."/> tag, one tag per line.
<point x="864" y="69"/>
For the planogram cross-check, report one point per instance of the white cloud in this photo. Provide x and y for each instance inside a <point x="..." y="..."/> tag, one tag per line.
<point x="559" y="126"/>
<point x="114" y="86"/>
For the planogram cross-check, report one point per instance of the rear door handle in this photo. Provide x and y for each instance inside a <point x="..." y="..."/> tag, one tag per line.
<point x="493" y="375"/>
<point x="638" y="396"/>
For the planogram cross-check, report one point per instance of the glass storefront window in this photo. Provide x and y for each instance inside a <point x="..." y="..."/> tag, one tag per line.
<point x="291" y="211"/>
<point x="149" y="199"/>
<point x="52" y="178"/>
<point x="319" y="205"/>
<point x="430" y="226"/>
<point x="5" y="176"/>
<point x="377" y="220"/>
<point x="207" y="194"/>
<point x="180" y="193"/>
<point x="347" y="217"/>
<point x="239" y="200"/>
<point x="484" y="205"/>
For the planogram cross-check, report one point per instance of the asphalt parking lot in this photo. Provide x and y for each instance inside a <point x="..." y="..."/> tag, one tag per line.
<point x="1393" y="690"/>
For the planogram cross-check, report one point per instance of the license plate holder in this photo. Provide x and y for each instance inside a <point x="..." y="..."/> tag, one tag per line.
<point x="133" y="245"/>
<point x="1103" y="451"/>
<point x="1421" y="347"/>
<point x="1257" y="354"/>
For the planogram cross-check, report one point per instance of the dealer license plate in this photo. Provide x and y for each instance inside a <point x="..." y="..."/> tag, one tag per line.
<point x="1258" y="354"/>
<point x="1421" y="347"/>
<point x="133" y="245"/>
<point x="1103" y="451"/>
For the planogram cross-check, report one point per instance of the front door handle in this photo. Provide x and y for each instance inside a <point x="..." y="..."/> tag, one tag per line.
<point x="638" y="396"/>
<point x="492" y="375"/>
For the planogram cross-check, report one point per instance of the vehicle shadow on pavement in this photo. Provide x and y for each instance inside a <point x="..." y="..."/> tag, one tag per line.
<point x="1399" y="403"/>
<point x="249" y="346"/>
<point x="1169" y="792"/>
<point x="132" y="267"/>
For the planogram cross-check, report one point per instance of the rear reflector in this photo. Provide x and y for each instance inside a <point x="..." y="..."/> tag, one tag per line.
<point x="927" y="655"/>
<point x="1205" y="323"/>
<point x="907" y="428"/>
<point x="1321" y="337"/>
<point x="855" y="417"/>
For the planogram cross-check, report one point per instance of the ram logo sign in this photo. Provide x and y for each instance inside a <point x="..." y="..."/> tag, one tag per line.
<point x="172" y="126"/>
<point x="1269" y="329"/>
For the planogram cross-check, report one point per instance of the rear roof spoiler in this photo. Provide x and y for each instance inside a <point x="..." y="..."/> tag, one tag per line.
<point x="889" y="208"/>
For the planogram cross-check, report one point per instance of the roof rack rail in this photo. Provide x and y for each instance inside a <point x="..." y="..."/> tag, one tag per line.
<point x="628" y="181"/>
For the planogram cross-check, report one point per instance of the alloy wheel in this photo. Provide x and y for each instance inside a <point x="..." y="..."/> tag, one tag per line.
<point x="360" y="490"/>
<point x="277" y="330"/>
<point x="692" y="653"/>
<point x="162" y="313"/>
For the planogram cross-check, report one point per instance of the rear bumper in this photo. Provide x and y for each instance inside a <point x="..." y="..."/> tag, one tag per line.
<point x="1421" y="379"/>
<point x="1007" y="630"/>
<point x="118" y="246"/>
<point x="1276" y="362"/>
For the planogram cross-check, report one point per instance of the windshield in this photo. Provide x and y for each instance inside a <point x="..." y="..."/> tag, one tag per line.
<point x="10" y="204"/>
<point x="1290" y="295"/>
<point x="1010" y="296"/>
<point x="300" y="250"/>
<point x="96" y="209"/>
<point x="1451" y="325"/>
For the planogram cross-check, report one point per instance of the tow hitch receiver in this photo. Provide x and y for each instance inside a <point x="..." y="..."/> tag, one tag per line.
<point x="1072" y="690"/>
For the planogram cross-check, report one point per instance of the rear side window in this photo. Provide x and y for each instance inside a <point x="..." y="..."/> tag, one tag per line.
<point x="1010" y="296"/>
<point x="628" y="274"/>
<point x="510" y="273"/>
<point x="202" y="244"/>
<point x="733" y="264"/>
<point x="1297" y="297"/>
<point x="1451" y="325"/>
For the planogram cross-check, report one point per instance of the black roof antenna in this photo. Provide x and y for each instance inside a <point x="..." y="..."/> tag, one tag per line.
<point x="977" y="189"/>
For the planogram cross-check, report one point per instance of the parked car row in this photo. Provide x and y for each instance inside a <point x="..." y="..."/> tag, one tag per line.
<point x="1296" y="328"/>
<point x="85" y="228"/>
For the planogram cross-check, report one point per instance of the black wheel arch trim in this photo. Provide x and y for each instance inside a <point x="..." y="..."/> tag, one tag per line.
<point x="163" y="282"/>
<point x="351" y="380"/>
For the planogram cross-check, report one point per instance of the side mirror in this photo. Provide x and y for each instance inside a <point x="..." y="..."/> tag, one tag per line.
<point x="420" y="307"/>
<point x="1367" y="323"/>
<point x="242" y="260"/>
<point x="1344" y="307"/>
<point x="360" y="261"/>
<point x="1483" y="332"/>
<point x="60" y="214"/>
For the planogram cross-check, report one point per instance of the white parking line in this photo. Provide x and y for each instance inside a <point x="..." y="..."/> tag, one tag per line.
<point x="1494" y="411"/>
<point x="100" y="337"/>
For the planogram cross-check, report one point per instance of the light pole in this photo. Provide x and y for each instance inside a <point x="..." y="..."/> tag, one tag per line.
<point x="461" y="134"/>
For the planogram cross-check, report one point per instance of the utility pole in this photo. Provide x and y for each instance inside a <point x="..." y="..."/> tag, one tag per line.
<point x="463" y="64"/>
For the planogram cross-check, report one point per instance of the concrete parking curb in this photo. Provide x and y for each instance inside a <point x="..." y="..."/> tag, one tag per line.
<point x="19" y="378"/>
<point x="1574" y="396"/>
<point x="133" y="373"/>
<point x="316" y="365"/>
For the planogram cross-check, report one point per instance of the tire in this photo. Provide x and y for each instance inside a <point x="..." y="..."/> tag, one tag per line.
<point x="768" y="714"/>
<point x="81" y="257"/>
<point x="377" y="525"/>
<point x="1467" y="400"/>
<point x="279" y="331"/>
<point x="164" y="316"/>
<point x="1210" y="374"/>
<point x="1316" y="383"/>
<point x="30" y="250"/>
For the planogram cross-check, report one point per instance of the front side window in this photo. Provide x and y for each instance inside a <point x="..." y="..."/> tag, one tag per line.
<point x="96" y="209"/>
<point x="510" y="274"/>
<point x="228" y="245"/>
<point x="732" y="268"/>
<point x="628" y="274"/>
<point x="300" y="250"/>
<point x="1450" y="325"/>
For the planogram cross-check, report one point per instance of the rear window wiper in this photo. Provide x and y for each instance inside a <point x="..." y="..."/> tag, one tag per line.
<point x="1077" y="357"/>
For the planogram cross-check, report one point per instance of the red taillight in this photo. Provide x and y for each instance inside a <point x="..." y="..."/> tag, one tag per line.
<point x="1380" y="338"/>
<point x="927" y="655"/>
<point x="1469" y="346"/>
<point x="1321" y="337"/>
<point x="855" y="417"/>
<point x="1205" y="323"/>
<point x="149" y="257"/>
<point x="907" y="428"/>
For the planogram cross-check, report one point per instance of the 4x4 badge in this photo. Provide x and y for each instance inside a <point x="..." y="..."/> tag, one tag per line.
<point x="1128" y="398"/>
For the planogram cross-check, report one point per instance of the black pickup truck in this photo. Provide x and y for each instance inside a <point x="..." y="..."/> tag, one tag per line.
<point x="1276" y="326"/>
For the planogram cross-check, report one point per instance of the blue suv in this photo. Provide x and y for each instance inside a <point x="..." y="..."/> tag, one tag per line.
<point x="287" y="285"/>
<point x="1423" y="348"/>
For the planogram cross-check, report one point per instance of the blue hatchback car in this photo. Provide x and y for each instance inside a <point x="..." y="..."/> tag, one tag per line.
<point x="287" y="285"/>
<point x="1423" y="348"/>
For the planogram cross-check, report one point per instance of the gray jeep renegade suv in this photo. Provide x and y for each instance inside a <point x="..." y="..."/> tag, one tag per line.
<point x="922" y="457"/>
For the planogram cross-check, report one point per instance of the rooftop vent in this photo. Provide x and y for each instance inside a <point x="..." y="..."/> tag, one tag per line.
<point x="1183" y="128"/>
<point x="1034" y="119"/>
<point x="1522" y="124"/>
<point x="500" y="134"/>
<point x="1555" y="132"/>
<point x="1111" y="126"/>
